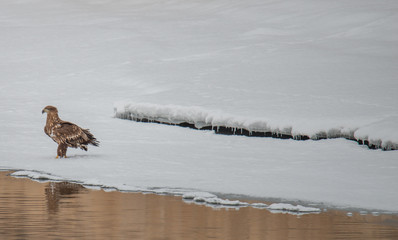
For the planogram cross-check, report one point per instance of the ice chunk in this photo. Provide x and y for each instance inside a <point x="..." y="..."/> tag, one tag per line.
<point x="291" y="208"/>
<point x="37" y="176"/>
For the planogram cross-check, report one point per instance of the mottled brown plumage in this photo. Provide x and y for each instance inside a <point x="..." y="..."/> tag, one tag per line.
<point x="66" y="134"/>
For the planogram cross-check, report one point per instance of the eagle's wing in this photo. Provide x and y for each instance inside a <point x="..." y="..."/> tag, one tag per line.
<point x="70" y="134"/>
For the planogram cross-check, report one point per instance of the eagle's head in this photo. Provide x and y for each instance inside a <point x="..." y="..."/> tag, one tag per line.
<point x="49" y="109"/>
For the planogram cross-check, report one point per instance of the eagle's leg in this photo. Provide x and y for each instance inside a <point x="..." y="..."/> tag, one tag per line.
<point x="64" y="151"/>
<point x="61" y="150"/>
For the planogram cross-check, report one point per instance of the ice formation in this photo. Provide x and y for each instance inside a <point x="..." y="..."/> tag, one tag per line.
<point x="382" y="134"/>
<point x="206" y="198"/>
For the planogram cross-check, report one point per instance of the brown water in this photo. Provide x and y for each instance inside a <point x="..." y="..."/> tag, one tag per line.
<point x="32" y="210"/>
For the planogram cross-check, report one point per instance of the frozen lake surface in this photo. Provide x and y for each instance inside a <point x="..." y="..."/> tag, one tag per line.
<point x="305" y="67"/>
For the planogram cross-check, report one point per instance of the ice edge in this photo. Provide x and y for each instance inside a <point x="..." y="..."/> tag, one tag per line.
<point x="202" y="119"/>
<point x="188" y="196"/>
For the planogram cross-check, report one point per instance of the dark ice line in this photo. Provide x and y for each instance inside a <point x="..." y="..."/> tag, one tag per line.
<point x="244" y="132"/>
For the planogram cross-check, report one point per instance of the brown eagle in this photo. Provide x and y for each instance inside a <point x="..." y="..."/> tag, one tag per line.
<point x="66" y="134"/>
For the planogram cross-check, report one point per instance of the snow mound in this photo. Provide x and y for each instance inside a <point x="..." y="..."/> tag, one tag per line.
<point x="382" y="134"/>
<point x="291" y="208"/>
<point x="211" y="199"/>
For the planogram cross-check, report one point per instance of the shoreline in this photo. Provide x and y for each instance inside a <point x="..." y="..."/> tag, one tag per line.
<point x="214" y="200"/>
<point x="63" y="210"/>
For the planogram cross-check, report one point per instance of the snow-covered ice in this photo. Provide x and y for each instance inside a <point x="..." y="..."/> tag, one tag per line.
<point x="37" y="176"/>
<point x="381" y="134"/>
<point x="307" y="66"/>
<point x="291" y="208"/>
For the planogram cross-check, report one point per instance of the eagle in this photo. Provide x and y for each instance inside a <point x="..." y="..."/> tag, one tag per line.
<point x="66" y="134"/>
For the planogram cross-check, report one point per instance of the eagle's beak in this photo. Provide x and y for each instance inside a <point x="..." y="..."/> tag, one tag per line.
<point x="43" y="111"/>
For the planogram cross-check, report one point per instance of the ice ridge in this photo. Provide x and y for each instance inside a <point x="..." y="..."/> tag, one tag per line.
<point x="378" y="135"/>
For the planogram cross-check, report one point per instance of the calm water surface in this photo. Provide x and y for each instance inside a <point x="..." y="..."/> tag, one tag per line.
<point x="32" y="210"/>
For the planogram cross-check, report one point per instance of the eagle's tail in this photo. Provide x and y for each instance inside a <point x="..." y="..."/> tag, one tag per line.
<point x="91" y="139"/>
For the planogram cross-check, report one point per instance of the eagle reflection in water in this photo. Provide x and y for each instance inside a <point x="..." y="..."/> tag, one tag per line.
<point x="56" y="191"/>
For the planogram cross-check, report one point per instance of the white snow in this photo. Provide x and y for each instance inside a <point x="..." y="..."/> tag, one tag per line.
<point x="292" y="208"/>
<point x="37" y="176"/>
<point x="208" y="198"/>
<point x="197" y="195"/>
<point x="383" y="134"/>
<point x="306" y="66"/>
